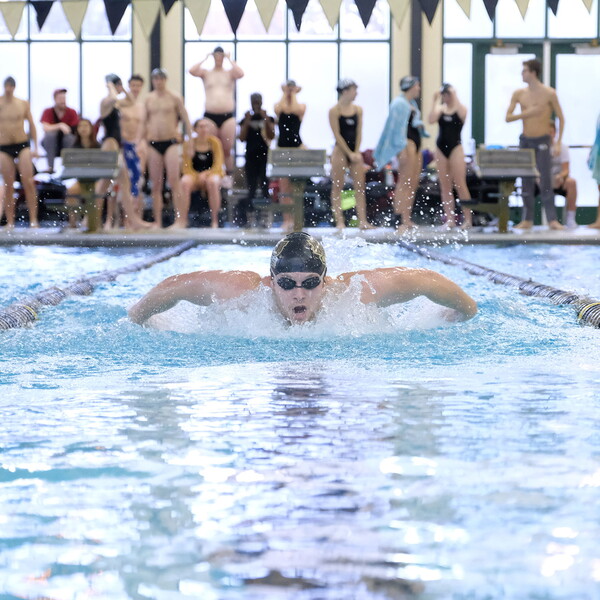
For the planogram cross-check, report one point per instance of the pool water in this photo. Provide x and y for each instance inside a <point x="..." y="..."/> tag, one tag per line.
<point x="375" y="454"/>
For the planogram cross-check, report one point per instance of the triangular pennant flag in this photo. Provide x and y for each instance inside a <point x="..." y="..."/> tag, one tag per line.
<point x="234" y="9"/>
<point x="167" y="5"/>
<point x="42" y="9"/>
<point x="12" y="13"/>
<point x="399" y="9"/>
<point x="198" y="11"/>
<point x="588" y="4"/>
<point x="523" y="5"/>
<point x="115" y="9"/>
<point x="331" y="8"/>
<point x="266" y="10"/>
<point x="75" y="13"/>
<point x="365" y="9"/>
<point x="466" y="7"/>
<point x="146" y="12"/>
<point x="553" y="5"/>
<point x="298" y="7"/>
<point x="490" y="6"/>
<point x="429" y="7"/>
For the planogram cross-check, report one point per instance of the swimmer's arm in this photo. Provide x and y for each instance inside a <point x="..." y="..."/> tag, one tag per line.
<point x="436" y="109"/>
<point x="202" y="288"/>
<point x="32" y="129"/>
<point x="462" y="111"/>
<point x="197" y="70"/>
<point x="183" y="115"/>
<point x="510" y="113"/>
<point x="395" y="285"/>
<point x="236" y="71"/>
<point x="556" y="107"/>
<point x="334" y="123"/>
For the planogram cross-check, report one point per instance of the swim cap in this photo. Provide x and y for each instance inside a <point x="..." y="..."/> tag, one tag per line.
<point x="290" y="83"/>
<point x="218" y="49"/>
<point x="298" y="252"/>
<point x="158" y="72"/>
<point x="446" y="87"/>
<point x="112" y="78"/>
<point x="344" y="84"/>
<point x="10" y="81"/>
<point x="407" y="82"/>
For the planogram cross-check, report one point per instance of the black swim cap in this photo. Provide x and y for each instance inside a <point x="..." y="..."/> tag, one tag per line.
<point x="298" y="252"/>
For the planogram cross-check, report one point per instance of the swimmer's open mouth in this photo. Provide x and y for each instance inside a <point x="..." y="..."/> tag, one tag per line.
<point x="299" y="310"/>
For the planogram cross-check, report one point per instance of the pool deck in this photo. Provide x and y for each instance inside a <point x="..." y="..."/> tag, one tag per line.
<point x="165" y="238"/>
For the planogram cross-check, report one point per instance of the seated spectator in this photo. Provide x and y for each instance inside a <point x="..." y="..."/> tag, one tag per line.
<point x="59" y="123"/>
<point x="561" y="182"/>
<point x="202" y="170"/>
<point x="85" y="137"/>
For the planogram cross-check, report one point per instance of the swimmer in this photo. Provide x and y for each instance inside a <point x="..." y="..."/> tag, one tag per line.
<point x="345" y="120"/>
<point x="537" y="102"/>
<point x="219" y="86"/>
<point x="299" y="285"/>
<point x="450" y="114"/>
<point x="164" y="109"/>
<point x="594" y="165"/>
<point x="401" y="137"/>
<point x="15" y="150"/>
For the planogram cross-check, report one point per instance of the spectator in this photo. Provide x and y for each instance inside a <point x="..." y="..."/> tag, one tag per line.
<point x="59" y="123"/>
<point x="562" y="184"/>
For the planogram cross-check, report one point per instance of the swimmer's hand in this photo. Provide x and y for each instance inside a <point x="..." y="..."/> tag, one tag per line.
<point x="453" y="316"/>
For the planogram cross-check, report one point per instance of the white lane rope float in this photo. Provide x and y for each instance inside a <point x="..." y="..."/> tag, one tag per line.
<point x="25" y="312"/>
<point x="588" y="310"/>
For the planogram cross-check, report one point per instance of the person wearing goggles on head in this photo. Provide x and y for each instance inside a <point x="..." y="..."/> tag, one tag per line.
<point x="299" y="283"/>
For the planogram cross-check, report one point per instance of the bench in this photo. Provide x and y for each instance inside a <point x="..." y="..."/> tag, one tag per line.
<point x="298" y="165"/>
<point x="88" y="166"/>
<point x="503" y="166"/>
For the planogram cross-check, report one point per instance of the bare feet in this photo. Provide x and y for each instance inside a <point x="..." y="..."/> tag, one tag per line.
<point x="405" y="227"/>
<point x="595" y="224"/>
<point x="556" y="226"/>
<point x="524" y="225"/>
<point x="177" y="225"/>
<point x="365" y="226"/>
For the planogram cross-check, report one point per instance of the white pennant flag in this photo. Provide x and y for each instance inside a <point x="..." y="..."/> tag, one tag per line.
<point x="523" y="5"/>
<point x="146" y="12"/>
<point x="466" y="6"/>
<point x="199" y="11"/>
<point x="75" y="13"/>
<point x="12" y="13"/>
<point x="399" y="8"/>
<point x="331" y="8"/>
<point x="588" y="4"/>
<point x="266" y="10"/>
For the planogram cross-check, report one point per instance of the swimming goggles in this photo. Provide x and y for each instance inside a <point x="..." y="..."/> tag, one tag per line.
<point x="287" y="283"/>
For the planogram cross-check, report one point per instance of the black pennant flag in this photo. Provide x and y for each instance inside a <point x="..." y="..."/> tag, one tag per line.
<point x="429" y="7"/>
<point x="42" y="9"/>
<point x="365" y="10"/>
<point x="115" y="9"/>
<point x="490" y="6"/>
<point x="553" y="5"/>
<point x="234" y="9"/>
<point x="298" y="7"/>
<point x="167" y="5"/>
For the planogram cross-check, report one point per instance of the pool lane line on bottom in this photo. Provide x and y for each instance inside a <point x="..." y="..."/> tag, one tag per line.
<point x="588" y="310"/>
<point x="25" y="312"/>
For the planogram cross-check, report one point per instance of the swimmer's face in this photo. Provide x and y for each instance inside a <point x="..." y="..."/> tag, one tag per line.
<point x="159" y="83"/>
<point x="135" y="87"/>
<point x="527" y="75"/>
<point x="298" y="305"/>
<point x="202" y="128"/>
<point x="218" y="56"/>
<point x="84" y="128"/>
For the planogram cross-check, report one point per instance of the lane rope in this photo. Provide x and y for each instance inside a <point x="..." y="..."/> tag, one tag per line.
<point x="26" y="312"/>
<point x="588" y="310"/>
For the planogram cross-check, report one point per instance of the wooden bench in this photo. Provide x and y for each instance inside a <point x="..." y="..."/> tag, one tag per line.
<point x="89" y="166"/>
<point x="297" y="165"/>
<point x="503" y="166"/>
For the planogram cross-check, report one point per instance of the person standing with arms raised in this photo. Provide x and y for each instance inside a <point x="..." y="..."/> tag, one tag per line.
<point x="538" y="102"/>
<point x="219" y="87"/>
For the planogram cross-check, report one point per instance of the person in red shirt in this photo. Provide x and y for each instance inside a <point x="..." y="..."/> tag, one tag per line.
<point x="60" y="124"/>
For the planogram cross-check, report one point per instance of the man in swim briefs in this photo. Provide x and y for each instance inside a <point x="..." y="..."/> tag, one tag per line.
<point x="164" y="109"/>
<point x="15" y="151"/>
<point x="537" y="102"/>
<point x="219" y="87"/>
<point x="299" y="284"/>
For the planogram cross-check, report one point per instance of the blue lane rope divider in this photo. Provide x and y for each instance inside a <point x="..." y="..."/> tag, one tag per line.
<point x="588" y="310"/>
<point x="25" y="312"/>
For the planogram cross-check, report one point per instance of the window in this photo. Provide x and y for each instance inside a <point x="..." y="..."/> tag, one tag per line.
<point x="316" y="57"/>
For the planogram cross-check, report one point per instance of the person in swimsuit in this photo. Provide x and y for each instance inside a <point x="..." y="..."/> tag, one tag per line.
<point x="450" y="115"/>
<point x="163" y="111"/>
<point x="299" y="285"/>
<point x="202" y="170"/>
<point x="594" y="165"/>
<point x="401" y="138"/>
<point x="538" y="102"/>
<point x="219" y="87"/>
<point x="289" y="113"/>
<point x="15" y="150"/>
<point x="345" y="119"/>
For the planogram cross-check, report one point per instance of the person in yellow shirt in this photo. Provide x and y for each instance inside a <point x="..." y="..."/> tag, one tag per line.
<point x="203" y="169"/>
